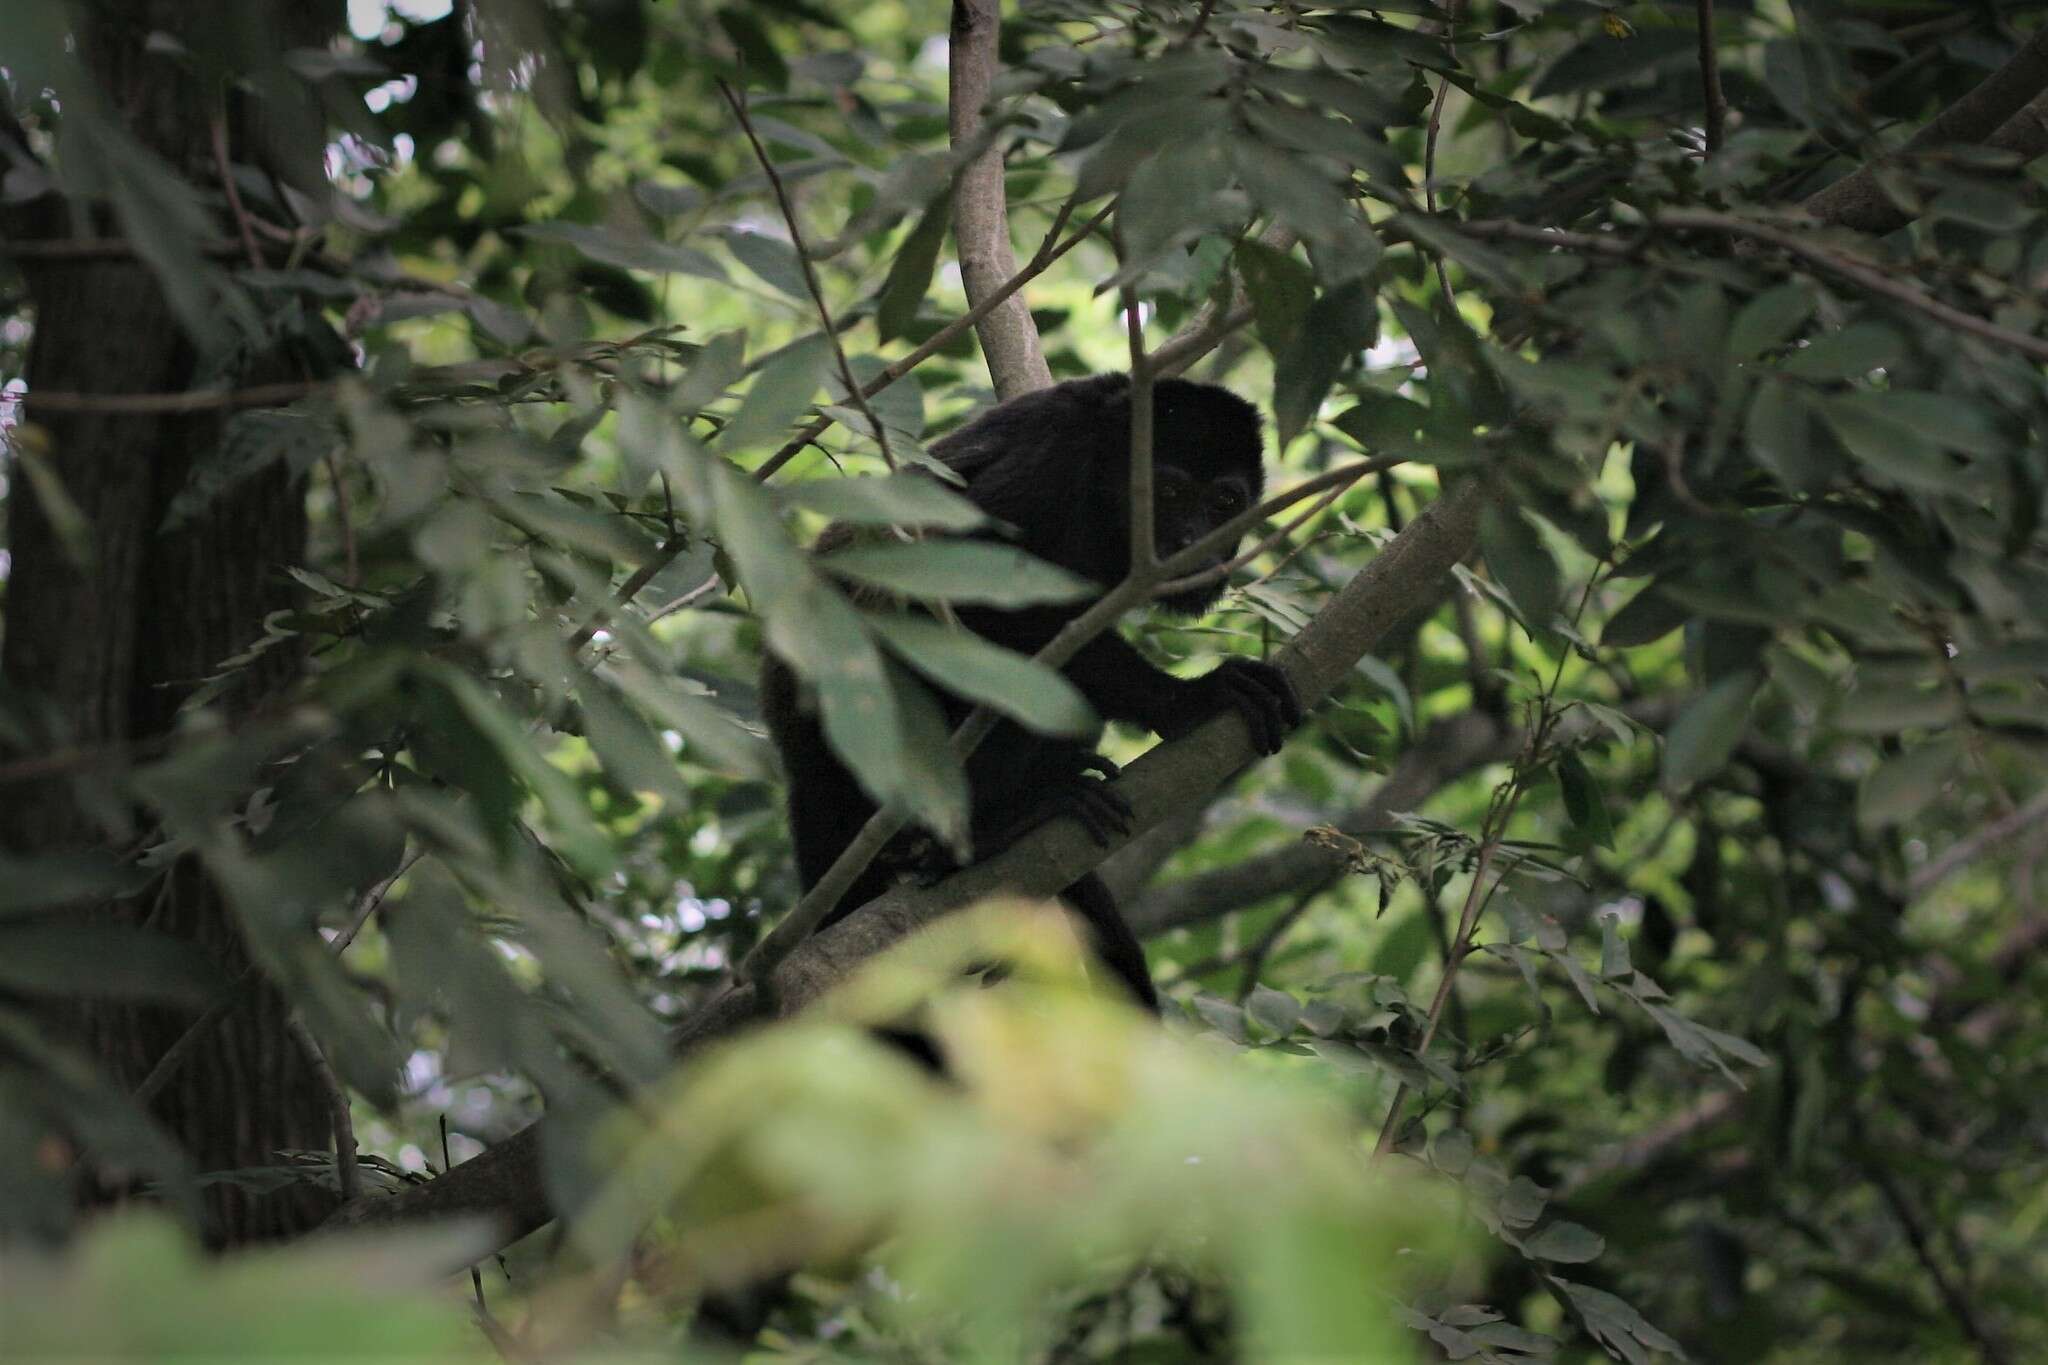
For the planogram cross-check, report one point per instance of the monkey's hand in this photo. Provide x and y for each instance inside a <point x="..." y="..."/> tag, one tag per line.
<point x="1103" y="813"/>
<point x="1257" y="691"/>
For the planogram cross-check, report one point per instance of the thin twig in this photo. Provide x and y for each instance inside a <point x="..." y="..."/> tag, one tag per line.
<point x="1710" y="79"/>
<point x="1990" y="1348"/>
<point x="676" y="604"/>
<point x="1864" y="274"/>
<point x="1967" y="849"/>
<point x="188" y="400"/>
<point x="372" y="898"/>
<point x="1871" y="277"/>
<point x="1335" y="481"/>
<point x="1144" y="544"/>
<point x="1436" y="123"/>
<point x="344" y="514"/>
<point x="1476" y="896"/>
<point x="234" y="194"/>
<point x="238" y="990"/>
<point x="174" y="1056"/>
<point x="347" y="1171"/>
<point x="1050" y="250"/>
<point x="1204" y="336"/>
<point x="628" y="590"/>
<point x="803" y="256"/>
<point x="245" y="225"/>
<point x="84" y="249"/>
<point x="1492" y="830"/>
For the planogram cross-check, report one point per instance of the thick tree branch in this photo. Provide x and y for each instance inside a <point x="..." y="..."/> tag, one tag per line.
<point x="1866" y="275"/>
<point x="1165" y="781"/>
<point x="1449" y="750"/>
<point x="505" y="1185"/>
<point x="1858" y="200"/>
<point x="981" y="213"/>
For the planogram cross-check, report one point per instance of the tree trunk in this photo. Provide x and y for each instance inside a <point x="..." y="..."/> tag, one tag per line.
<point x="107" y="647"/>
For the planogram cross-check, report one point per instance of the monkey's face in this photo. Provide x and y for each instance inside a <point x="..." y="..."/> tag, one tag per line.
<point x="1185" y="509"/>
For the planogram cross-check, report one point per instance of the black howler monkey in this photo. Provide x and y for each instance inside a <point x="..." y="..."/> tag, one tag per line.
<point x="1053" y="467"/>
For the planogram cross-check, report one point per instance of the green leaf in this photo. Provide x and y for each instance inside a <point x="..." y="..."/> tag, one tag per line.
<point x="912" y="500"/>
<point x="1614" y="955"/>
<point x="925" y="776"/>
<point x="779" y="395"/>
<point x="966" y="665"/>
<point x="1276" y="1012"/>
<point x="40" y="957"/>
<point x="879" y="724"/>
<point x="66" y="519"/>
<point x="1340" y="324"/>
<point x="1953" y="423"/>
<point x="959" y="571"/>
<point x="1809" y="687"/>
<point x="1168" y="198"/>
<point x="2017" y="659"/>
<point x="1451" y="1151"/>
<point x="1902" y="786"/>
<point x="1584" y="805"/>
<point x="582" y="842"/>
<point x="712" y="737"/>
<point x="770" y="259"/>
<point x="1520" y="562"/>
<point x="632" y="754"/>
<point x="1889" y="448"/>
<point x="1769" y="320"/>
<point x="1780" y="434"/>
<point x="1851" y="353"/>
<point x="910" y="274"/>
<point x="1280" y="288"/>
<point x="1441" y="237"/>
<point x="1300" y="195"/>
<point x="1226" y="1018"/>
<point x="608" y="247"/>
<point x="1648" y="616"/>
<point x="1387" y="424"/>
<point x="1707" y="731"/>
<point x="1617" y="1325"/>
<point x="1884" y="709"/>
<point x="1566" y="1242"/>
<point x="44" y="880"/>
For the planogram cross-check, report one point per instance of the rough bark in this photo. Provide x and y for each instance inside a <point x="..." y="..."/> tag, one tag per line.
<point x="1996" y="109"/>
<point x="107" y="648"/>
<point x="981" y="214"/>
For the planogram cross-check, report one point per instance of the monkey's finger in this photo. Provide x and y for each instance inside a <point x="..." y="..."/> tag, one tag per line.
<point x="1254" y="705"/>
<point x="1278" y="685"/>
<point x="1104" y="814"/>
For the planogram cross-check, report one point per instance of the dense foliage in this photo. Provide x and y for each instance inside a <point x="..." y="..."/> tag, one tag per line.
<point x="1634" y="953"/>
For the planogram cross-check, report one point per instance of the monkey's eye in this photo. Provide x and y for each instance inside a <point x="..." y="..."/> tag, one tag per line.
<point x="1226" y="502"/>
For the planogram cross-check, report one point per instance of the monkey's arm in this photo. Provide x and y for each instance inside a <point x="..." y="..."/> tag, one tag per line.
<point x="1122" y="685"/>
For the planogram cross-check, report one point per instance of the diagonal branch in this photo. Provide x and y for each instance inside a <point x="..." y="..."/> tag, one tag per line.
<point x="1858" y="200"/>
<point x="504" y="1184"/>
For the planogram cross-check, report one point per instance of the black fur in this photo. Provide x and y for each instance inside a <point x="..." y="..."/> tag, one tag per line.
<point x="1054" y="468"/>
